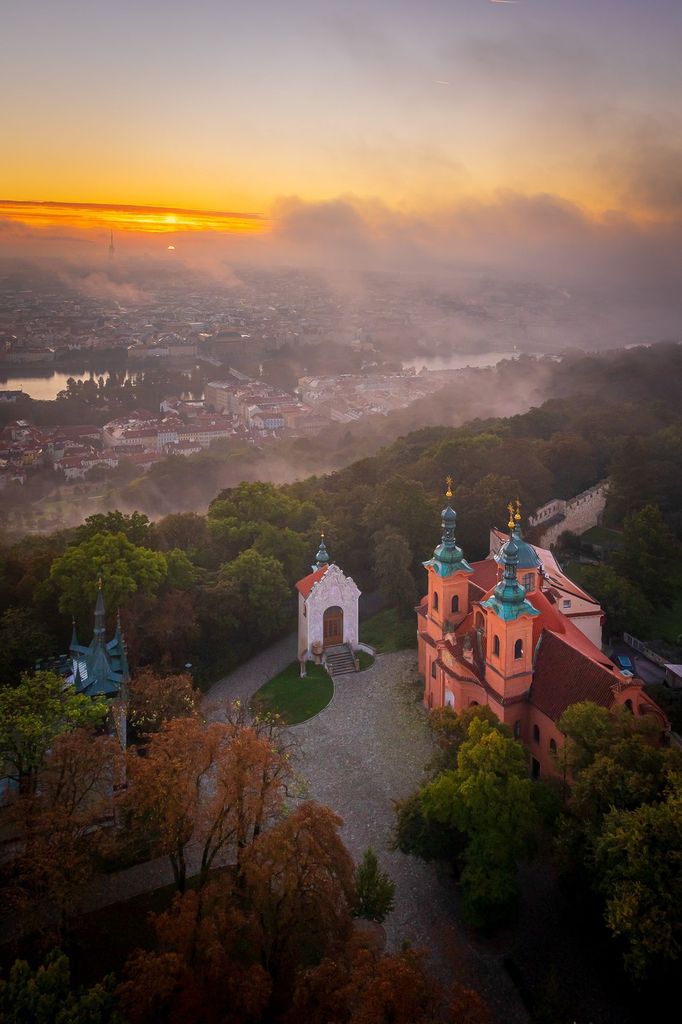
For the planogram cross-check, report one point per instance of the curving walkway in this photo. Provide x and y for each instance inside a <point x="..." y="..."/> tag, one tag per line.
<point x="365" y="750"/>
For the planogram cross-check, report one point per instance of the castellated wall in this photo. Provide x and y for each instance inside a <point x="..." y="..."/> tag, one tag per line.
<point x="578" y="515"/>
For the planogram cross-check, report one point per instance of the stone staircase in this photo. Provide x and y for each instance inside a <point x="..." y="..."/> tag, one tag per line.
<point x="339" y="659"/>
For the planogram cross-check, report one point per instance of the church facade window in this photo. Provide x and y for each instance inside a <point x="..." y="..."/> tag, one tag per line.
<point x="552" y="746"/>
<point x="517" y="729"/>
<point x="433" y="670"/>
<point x="536" y="734"/>
<point x="518" y="650"/>
<point x="529" y="582"/>
<point x="496" y="646"/>
<point x="435" y="600"/>
<point x="454" y="604"/>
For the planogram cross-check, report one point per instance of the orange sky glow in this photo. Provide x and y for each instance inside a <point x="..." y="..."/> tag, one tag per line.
<point x="137" y="219"/>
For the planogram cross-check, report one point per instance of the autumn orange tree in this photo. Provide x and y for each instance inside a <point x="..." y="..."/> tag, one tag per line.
<point x="363" y="986"/>
<point x="232" y="949"/>
<point x="155" y="699"/>
<point x="206" y="787"/>
<point x="61" y="825"/>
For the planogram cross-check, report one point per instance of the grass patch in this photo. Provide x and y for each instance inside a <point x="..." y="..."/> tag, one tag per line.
<point x="386" y="632"/>
<point x="293" y="698"/>
<point x="365" y="660"/>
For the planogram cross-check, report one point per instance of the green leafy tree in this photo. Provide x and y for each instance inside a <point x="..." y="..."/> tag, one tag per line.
<point x="648" y="554"/>
<point x="481" y="506"/>
<point x="392" y="560"/>
<point x="265" y="602"/>
<point x="488" y="798"/>
<point x="624" y="603"/>
<point x="450" y="728"/>
<point x="638" y="857"/>
<point x="181" y="573"/>
<point x="46" y="995"/>
<point x="124" y="568"/>
<point x="422" y="836"/>
<point x="288" y="547"/>
<point x="375" y="890"/>
<point x="405" y="506"/>
<point x="263" y="503"/>
<point x="33" y="713"/>
<point x="136" y="526"/>
<point x="23" y="640"/>
<point x="184" y="530"/>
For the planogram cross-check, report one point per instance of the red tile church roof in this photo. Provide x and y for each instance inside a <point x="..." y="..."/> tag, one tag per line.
<point x="305" y="585"/>
<point x="564" y="676"/>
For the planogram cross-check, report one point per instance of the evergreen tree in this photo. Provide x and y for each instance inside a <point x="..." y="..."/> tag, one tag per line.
<point x="375" y="890"/>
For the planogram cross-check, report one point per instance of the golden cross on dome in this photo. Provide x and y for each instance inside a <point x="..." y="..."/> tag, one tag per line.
<point x="448" y="481"/>
<point x="517" y="515"/>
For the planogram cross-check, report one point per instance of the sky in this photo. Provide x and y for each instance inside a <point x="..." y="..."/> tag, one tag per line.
<point x="384" y="124"/>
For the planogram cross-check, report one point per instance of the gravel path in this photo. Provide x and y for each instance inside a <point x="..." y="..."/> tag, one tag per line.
<point x="250" y="676"/>
<point x="365" y="750"/>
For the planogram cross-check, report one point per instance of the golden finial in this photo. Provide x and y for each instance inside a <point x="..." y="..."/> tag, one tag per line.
<point x="510" y="509"/>
<point x="99" y="582"/>
<point x="448" y="481"/>
<point x="321" y="534"/>
<point x="517" y="514"/>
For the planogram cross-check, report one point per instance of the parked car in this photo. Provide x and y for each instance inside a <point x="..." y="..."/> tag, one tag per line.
<point x="624" y="663"/>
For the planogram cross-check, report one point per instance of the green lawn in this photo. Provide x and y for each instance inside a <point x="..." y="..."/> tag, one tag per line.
<point x="293" y="698"/>
<point x="385" y="632"/>
<point x="366" y="660"/>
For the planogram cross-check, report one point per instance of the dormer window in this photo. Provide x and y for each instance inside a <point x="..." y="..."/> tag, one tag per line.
<point x="566" y="602"/>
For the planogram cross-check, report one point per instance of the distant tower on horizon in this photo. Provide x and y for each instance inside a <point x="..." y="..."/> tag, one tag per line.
<point x="111" y="245"/>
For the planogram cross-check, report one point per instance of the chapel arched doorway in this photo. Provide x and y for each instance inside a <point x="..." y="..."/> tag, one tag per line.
<point x="333" y="626"/>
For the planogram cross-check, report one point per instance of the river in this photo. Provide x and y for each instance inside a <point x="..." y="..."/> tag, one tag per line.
<point x="45" y="385"/>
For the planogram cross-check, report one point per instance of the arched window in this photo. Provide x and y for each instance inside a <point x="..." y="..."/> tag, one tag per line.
<point x="536" y="734"/>
<point x="628" y="705"/>
<point x="518" y="649"/>
<point x="433" y="669"/>
<point x="454" y="604"/>
<point x="435" y="600"/>
<point x="517" y="729"/>
<point x="552" y="746"/>
<point x="473" y="703"/>
<point x="496" y="646"/>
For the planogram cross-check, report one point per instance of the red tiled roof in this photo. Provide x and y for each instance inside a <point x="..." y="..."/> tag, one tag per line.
<point x="305" y="585"/>
<point x="564" y="676"/>
<point x="486" y="574"/>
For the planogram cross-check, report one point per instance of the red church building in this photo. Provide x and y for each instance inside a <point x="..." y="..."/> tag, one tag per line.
<point x="515" y="634"/>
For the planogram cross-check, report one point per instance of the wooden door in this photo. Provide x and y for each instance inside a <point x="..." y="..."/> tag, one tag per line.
<point x="333" y="626"/>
